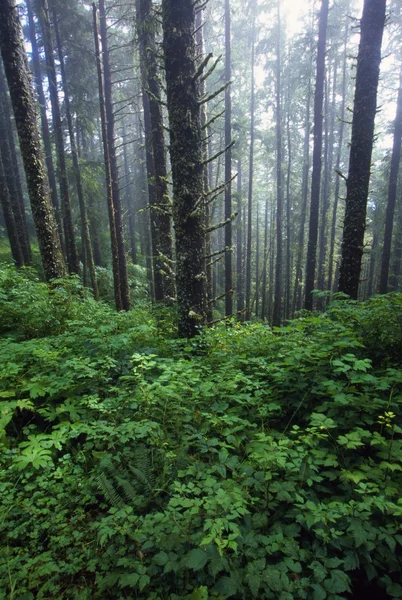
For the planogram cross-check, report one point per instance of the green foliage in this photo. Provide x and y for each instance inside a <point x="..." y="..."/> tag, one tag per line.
<point x="247" y="463"/>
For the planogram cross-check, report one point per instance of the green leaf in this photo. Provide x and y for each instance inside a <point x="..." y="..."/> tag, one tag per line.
<point x="196" y="559"/>
<point x="319" y="592"/>
<point x="200" y="593"/>
<point x="161" y="558"/>
<point x="226" y="586"/>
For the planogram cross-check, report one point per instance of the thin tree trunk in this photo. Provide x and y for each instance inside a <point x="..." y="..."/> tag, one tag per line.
<point x="392" y="188"/>
<point x="9" y="217"/>
<point x="277" y="314"/>
<point x="16" y="68"/>
<point x="365" y="106"/>
<point x="86" y="236"/>
<point x="44" y="121"/>
<point x="69" y="234"/>
<point x="228" y="167"/>
<point x="264" y="273"/>
<point x="317" y="159"/>
<point x="109" y="193"/>
<point x="338" y="164"/>
<point x="129" y="202"/>
<point x="114" y="172"/>
<point x="186" y="160"/>
<point x="160" y="209"/>
<point x="251" y="172"/>
<point x="239" y="245"/>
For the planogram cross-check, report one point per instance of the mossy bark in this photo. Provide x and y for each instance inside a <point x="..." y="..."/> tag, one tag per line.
<point x="20" y="86"/>
<point x="9" y="218"/>
<point x="364" y="110"/>
<point x="186" y="160"/>
<point x="44" y="120"/>
<point x="11" y="172"/>
<point x="68" y="227"/>
<point x="160" y="211"/>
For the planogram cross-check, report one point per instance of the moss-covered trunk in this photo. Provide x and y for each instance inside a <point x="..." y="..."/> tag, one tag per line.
<point x="20" y="86"/>
<point x="186" y="160"/>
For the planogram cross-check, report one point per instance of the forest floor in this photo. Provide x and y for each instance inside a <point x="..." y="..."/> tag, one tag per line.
<point x="245" y="463"/>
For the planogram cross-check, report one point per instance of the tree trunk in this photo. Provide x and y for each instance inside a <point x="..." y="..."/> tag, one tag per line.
<point x="109" y="193"/>
<point x="228" y="167"/>
<point x="251" y="172"/>
<point x="9" y="218"/>
<point x="160" y="208"/>
<point x="129" y="201"/>
<point x="277" y="314"/>
<point x="16" y="67"/>
<point x="239" y="246"/>
<point x="69" y="235"/>
<point x="338" y="164"/>
<point x="186" y="160"/>
<point x="392" y="188"/>
<point x="114" y="172"/>
<point x="365" y="106"/>
<point x="43" y="116"/>
<point x="87" y="246"/>
<point x="11" y="173"/>
<point x="317" y="159"/>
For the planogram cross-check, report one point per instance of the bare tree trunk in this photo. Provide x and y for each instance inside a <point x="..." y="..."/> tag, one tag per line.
<point x="228" y="167"/>
<point x="251" y="172"/>
<point x="392" y="188"/>
<point x="317" y="159"/>
<point x="114" y="172"/>
<point x="277" y="315"/>
<point x="365" y="106"/>
<point x="86" y="236"/>
<point x="129" y="201"/>
<point x="109" y="193"/>
<point x="16" y="67"/>
<point x="239" y="244"/>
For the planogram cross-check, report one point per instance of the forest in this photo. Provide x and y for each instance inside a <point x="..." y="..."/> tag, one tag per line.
<point x="200" y="299"/>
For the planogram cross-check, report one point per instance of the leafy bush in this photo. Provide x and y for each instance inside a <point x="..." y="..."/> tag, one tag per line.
<point x="248" y="463"/>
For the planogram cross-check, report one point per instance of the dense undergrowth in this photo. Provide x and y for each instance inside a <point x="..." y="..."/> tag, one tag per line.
<point x="247" y="463"/>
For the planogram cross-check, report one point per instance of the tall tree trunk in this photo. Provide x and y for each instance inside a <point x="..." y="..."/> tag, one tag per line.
<point x="186" y="160"/>
<point x="69" y="234"/>
<point x="109" y="192"/>
<point x="129" y="201"/>
<point x="43" y="116"/>
<point x="239" y="245"/>
<point x="264" y="272"/>
<point x="317" y="159"/>
<point x="228" y="167"/>
<point x="251" y="172"/>
<point x="392" y="188"/>
<point x="288" y="277"/>
<point x="338" y="164"/>
<point x="160" y="209"/>
<point x="277" y="315"/>
<point x="297" y="291"/>
<point x="364" y="110"/>
<point x="86" y="236"/>
<point x="114" y="172"/>
<point x="11" y="173"/>
<point x="16" y="67"/>
<point x="257" y="258"/>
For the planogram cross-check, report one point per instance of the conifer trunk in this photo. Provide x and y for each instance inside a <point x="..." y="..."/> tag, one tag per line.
<point x="364" y="110"/>
<point x="16" y="68"/>
<point x="186" y="160"/>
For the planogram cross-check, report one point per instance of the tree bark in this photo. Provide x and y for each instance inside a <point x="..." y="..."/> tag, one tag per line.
<point x="239" y="245"/>
<point x="87" y="246"/>
<point x="277" y="314"/>
<point x="317" y="158"/>
<point x="16" y="67"/>
<point x="109" y="193"/>
<point x="69" y="234"/>
<point x="186" y="160"/>
<point x="392" y="189"/>
<point x="228" y="167"/>
<point x="364" y="110"/>
<point x="114" y="171"/>
<point x="44" y="121"/>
